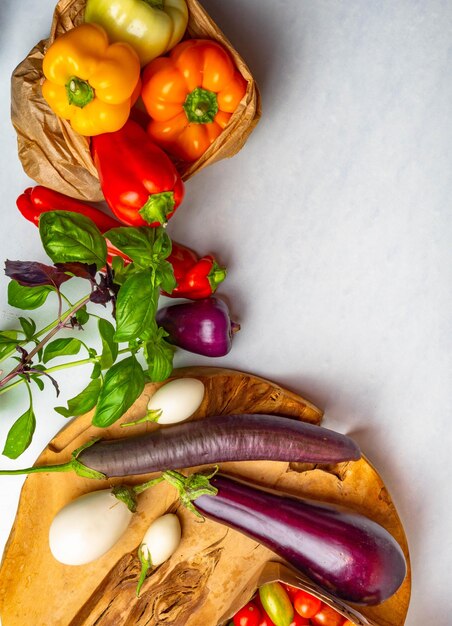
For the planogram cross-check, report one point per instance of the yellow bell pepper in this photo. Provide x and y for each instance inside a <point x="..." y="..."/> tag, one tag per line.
<point x="90" y="82"/>
<point x="151" y="27"/>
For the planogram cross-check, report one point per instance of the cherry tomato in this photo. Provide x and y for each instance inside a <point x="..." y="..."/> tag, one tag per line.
<point x="348" y="623"/>
<point x="327" y="617"/>
<point x="265" y="620"/>
<point x="249" y="615"/>
<point x="292" y="591"/>
<point x="299" y="621"/>
<point x="306" y="604"/>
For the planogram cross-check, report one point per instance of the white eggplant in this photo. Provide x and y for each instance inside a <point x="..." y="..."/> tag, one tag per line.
<point x="161" y="540"/>
<point x="88" y="527"/>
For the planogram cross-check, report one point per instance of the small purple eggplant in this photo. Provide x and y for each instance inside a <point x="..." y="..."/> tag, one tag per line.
<point x="202" y="326"/>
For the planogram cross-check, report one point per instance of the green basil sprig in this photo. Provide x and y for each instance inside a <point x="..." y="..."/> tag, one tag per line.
<point x="78" y="249"/>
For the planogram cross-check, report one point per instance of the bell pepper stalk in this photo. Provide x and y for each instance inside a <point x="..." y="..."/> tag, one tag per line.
<point x="196" y="277"/>
<point x="190" y="97"/>
<point x="151" y="27"/>
<point x="140" y="183"/>
<point x="89" y="82"/>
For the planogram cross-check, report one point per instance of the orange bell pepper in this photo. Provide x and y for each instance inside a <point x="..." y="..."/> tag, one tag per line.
<point x="89" y="82"/>
<point x="190" y="97"/>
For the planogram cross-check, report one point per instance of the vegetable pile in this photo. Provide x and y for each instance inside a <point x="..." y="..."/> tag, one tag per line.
<point x="281" y="604"/>
<point x="147" y="102"/>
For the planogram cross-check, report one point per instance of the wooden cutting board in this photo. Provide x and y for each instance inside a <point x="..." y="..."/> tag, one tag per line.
<point x="213" y="563"/>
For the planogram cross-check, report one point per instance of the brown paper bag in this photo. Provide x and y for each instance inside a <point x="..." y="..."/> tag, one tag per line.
<point x="278" y="572"/>
<point x="55" y="156"/>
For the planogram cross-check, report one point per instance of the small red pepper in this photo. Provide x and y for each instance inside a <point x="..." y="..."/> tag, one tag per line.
<point x="139" y="181"/>
<point x="196" y="277"/>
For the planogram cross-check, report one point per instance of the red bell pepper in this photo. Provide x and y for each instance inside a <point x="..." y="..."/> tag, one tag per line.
<point x="196" y="277"/>
<point x="139" y="181"/>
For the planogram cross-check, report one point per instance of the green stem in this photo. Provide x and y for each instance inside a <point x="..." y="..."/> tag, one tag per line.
<point x="155" y="4"/>
<point x="74" y="465"/>
<point x="146" y="565"/>
<point x="201" y="106"/>
<point x="151" y="416"/>
<point x="57" y="368"/>
<point x="79" y="92"/>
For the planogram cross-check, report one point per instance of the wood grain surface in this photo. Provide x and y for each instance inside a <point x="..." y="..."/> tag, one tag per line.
<point x="213" y="566"/>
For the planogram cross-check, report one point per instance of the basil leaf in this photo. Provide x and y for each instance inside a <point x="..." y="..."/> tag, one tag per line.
<point x="82" y="402"/>
<point x="123" y="383"/>
<point x="136" y="306"/>
<point x="28" y="326"/>
<point x="34" y="274"/>
<point x="27" y="297"/>
<point x="39" y="382"/>
<point x="68" y="236"/>
<point x="165" y="276"/>
<point x="143" y="245"/>
<point x="20" y="434"/>
<point x="159" y="356"/>
<point x="61" y="347"/>
<point x="97" y="371"/>
<point x="109" y="346"/>
<point x="8" y="343"/>
<point x="82" y="316"/>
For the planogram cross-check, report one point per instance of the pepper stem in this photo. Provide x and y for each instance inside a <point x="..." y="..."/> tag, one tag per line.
<point x="155" y="4"/>
<point x="216" y="276"/>
<point x="201" y="106"/>
<point x="79" y="92"/>
<point x="158" y="207"/>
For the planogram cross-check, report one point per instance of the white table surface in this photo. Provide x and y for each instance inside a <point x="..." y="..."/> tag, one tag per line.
<point x="335" y="224"/>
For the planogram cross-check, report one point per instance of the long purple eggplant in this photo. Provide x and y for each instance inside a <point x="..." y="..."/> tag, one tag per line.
<point x="345" y="553"/>
<point x="242" y="437"/>
<point x="218" y="439"/>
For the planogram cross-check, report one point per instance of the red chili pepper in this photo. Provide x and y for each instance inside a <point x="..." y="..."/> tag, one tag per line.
<point x="139" y="181"/>
<point x="196" y="277"/>
<point x="37" y="200"/>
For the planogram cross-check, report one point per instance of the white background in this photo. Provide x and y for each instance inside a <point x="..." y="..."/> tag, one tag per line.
<point x="335" y="224"/>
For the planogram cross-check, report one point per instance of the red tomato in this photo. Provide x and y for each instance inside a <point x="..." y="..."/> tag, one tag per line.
<point x="327" y="617"/>
<point x="265" y="620"/>
<point x="249" y="615"/>
<point x="306" y="604"/>
<point x="292" y="591"/>
<point x="299" y="621"/>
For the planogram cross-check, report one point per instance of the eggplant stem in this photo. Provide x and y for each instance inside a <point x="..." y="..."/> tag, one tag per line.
<point x="74" y="465"/>
<point x="192" y="487"/>
<point x="146" y="565"/>
<point x="151" y="416"/>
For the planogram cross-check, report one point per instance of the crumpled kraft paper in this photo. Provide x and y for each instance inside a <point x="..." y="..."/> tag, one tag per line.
<point x="54" y="155"/>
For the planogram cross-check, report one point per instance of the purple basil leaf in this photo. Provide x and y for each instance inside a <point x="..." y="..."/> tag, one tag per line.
<point x="34" y="274"/>
<point x="81" y="270"/>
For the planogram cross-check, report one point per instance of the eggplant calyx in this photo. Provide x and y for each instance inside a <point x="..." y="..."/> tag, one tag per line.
<point x="192" y="487"/>
<point x="127" y="495"/>
<point x="152" y="415"/>
<point x="146" y="565"/>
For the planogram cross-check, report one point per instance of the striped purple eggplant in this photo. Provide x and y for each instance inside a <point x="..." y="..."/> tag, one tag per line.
<point x="242" y="437"/>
